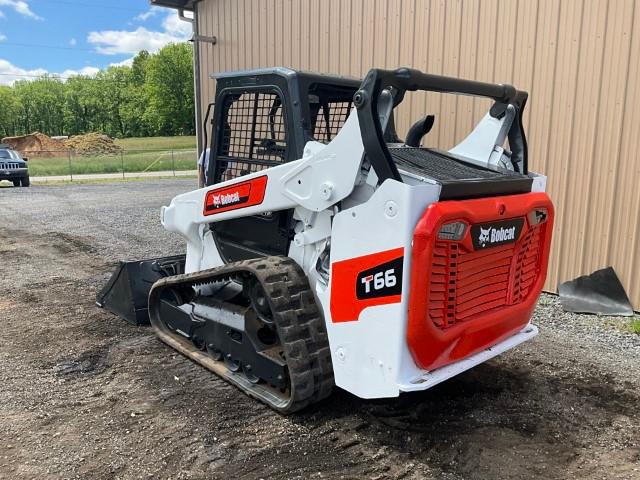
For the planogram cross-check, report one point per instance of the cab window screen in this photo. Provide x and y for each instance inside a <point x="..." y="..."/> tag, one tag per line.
<point x="254" y="134"/>
<point x="328" y="118"/>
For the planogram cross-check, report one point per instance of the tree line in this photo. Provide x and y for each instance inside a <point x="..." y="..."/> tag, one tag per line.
<point x="154" y="96"/>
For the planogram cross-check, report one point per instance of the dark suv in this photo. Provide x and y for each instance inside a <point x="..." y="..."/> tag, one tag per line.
<point x="13" y="167"/>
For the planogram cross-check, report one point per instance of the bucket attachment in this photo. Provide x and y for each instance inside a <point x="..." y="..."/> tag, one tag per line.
<point x="127" y="291"/>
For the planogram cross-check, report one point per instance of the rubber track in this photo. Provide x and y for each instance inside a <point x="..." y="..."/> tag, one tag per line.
<point x="298" y="321"/>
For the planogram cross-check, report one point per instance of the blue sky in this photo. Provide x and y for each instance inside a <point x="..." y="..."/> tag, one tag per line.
<point x="67" y="37"/>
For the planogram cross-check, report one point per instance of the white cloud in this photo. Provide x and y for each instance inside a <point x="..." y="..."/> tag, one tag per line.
<point x="86" y="71"/>
<point x="172" y="24"/>
<point x="124" y="63"/>
<point x="2" y="15"/>
<point x="2" y="37"/>
<point x="143" y="17"/>
<point x="123" y="42"/>
<point x="73" y="42"/>
<point x="112" y="42"/>
<point x="9" y="73"/>
<point x="21" y="7"/>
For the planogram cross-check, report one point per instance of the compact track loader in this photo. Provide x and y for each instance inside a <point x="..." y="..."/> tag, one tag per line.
<point x="326" y="251"/>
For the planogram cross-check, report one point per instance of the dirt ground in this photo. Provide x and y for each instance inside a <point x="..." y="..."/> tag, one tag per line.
<point x="85" y="395"/>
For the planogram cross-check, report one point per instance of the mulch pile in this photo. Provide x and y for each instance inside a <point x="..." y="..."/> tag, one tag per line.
<point x="92" y="144"/>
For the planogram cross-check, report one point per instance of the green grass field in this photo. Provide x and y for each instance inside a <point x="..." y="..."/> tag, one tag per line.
<point x="139" y="155"/>
<point x="158" y="143"/>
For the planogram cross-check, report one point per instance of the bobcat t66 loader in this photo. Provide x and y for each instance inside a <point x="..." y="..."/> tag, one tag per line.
<point x="326" y="251"/>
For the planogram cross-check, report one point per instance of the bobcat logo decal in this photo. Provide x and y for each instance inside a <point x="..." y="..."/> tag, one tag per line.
<point x="498" y="233"/>
<point x="484" y="236"/>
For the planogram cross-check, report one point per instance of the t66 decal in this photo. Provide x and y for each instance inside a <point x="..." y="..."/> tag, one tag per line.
<point x="367" y="281"/>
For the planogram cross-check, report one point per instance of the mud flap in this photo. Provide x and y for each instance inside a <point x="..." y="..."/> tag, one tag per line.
<point x="126" y="293"/>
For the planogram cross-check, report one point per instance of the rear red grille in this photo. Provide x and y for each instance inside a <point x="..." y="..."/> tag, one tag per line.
<point x="465" y="298"/>
<point x="465" y="283"/>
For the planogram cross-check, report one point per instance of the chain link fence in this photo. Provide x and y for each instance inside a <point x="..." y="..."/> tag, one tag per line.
<point x="127" y="163"/>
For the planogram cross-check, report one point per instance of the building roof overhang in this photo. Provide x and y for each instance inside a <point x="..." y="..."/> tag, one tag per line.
<point x="179" y="4"/>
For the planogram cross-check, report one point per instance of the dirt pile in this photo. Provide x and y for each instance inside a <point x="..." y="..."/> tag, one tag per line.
<point x="40" y="145"/>
<point x="92" y="144"/>
<point x="36" y="144"/>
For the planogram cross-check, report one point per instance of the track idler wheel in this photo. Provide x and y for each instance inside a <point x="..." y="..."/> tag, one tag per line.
<point x="259" y="301"/>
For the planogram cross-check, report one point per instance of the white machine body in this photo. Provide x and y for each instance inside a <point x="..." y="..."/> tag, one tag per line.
<point x="340" y="208"/>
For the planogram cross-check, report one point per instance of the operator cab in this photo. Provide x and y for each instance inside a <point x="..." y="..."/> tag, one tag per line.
<point x="263" y="118"/>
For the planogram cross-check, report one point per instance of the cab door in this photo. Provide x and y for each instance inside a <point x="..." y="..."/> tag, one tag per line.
<point x="251" y="135"/>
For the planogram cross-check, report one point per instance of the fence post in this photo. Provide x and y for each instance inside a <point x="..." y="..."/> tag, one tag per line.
<point x="173" y="163"/>
<point x="122" y="160"/>
<point x="70" y="167"/>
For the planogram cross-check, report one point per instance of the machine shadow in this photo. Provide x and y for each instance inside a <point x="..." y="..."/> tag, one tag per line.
<point x="485" y="418"/>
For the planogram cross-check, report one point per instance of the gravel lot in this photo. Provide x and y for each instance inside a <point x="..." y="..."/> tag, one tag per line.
<point x="85" y="395"/>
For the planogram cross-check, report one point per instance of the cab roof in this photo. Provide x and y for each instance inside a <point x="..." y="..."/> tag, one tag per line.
<point x="260" y="75"/>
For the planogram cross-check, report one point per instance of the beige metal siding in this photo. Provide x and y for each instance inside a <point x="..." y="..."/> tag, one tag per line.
<point x="579" y="60"/>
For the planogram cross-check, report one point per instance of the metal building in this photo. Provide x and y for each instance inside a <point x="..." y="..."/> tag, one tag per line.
<point x="579" y="60"/>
